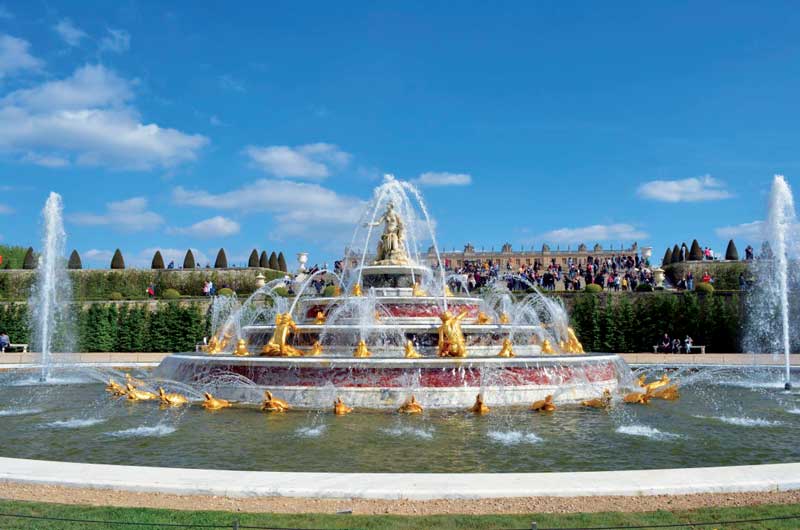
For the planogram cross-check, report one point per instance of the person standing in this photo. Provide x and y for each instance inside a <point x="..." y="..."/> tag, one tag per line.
<point x="5" y="342"/>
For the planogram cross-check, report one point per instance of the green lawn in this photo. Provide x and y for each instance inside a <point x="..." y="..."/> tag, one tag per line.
<point x="166" y="519"/>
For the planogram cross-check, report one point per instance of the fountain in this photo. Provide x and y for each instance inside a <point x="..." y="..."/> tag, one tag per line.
<point x="397" y="327"/>
<point x="49" y="302"/>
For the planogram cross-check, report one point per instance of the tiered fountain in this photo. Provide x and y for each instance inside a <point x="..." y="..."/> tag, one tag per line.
<point x="393" y="328"/>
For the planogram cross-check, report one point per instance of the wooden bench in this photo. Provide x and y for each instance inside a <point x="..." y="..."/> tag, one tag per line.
<point x="692" y="347"/>
<point x="19" y="346"/>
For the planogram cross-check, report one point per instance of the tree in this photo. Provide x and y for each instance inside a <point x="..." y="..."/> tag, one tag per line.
<point x="188" y="260"/>
<point x="158" y="261"/>
<point x="696" y="253"/>
<point x="667" y="259"/>
<point x="253" y="261"/>
<point x="222" y="260"/>
<point x="676" y="254"/>
<point x="282" y="263"/>
<point x="117" y="262"/>
<point x="29" y="261"/>
<point x="731" y="253"/>
<point x="74" y="261"/>
<point x="263" y="261"/>
<point x="273" y="261"/>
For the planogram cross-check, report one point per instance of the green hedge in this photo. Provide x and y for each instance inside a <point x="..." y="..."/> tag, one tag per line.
<point x="622" y="323"/>
<point x="133" y="283"/>
<point x="725" y="273"/>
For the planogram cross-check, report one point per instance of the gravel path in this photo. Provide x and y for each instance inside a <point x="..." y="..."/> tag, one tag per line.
<point x="61" y="495"/>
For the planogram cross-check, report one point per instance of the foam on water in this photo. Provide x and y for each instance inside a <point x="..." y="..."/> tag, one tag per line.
<point x="405" y="430"/>
<point x="140" y="432"/>
<point x="646" y="432"/>
<point x="514" y="437"/>
<point x="50" y="381"/>
<point x="19" y="412"/>
<point x="794" y="411"/>
<point x="74" y="423"/>
<point x="740" y="421"/>
<point x="311" y="432"/>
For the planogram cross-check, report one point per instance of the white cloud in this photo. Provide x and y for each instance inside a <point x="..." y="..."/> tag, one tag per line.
<point x="311" y="161"/>
<point x="117" y="41"/>
<point x="69" y="32"/>
<point x="44" y="160"/>
<point x="300" y="209"/>
<point x="88" y="117"/>
<point x="443" y="178"/>
<point x="214" y="227"/>
<point x="594" y="233"/>
<point x="97" y="255"/>
<point x="15" y="57"/>
<point x="753" y="231"/>
<point x="228" y="82"/>
<point x="705" y="188"/>
<point x="130" y="215"/>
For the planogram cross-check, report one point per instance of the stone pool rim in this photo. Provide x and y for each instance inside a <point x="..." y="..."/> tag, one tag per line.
<point x="396" y="486"/>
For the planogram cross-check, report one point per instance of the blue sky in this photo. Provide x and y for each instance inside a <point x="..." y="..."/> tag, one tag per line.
<point x="203" y="125"/>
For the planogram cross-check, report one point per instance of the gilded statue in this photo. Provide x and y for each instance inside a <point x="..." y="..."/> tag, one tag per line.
<point x="173" y="400"/>
<point x="273" y="404"/>
<point x="483" y="319"/>
<point x="410" y="351"/>
<point x="410" y="406"/>
<point x="316" y="349"/>
<point x="417" y="290"/>
<point x="447" y="291"/>
<point x="547" y="347"/>
<point x="241" y="348"/>
<point x="642" y="398"/>
<point x="115" y="388"/>
<point x="507" y="350"/>
<point x="361" y="350"/>
<point x="504" y="318"/>
<point x="573" y="345"/>
<point x="650" y="387"/>
<point x="544" y="405"/>
<point x="135" y="394"/>
<point x="451" y="337"/>
<point x="669" y="393"/>
<point x="212" y="403"/>
<point x="479" y="407"/>
<point x="378" y="316"/>
<point x="357" y="290"/>
<point x="599" y="403"/>
<point x="216" y="345"/>
<point x="277" y="347"/>
<point x="392" y="245"/>
<point x="320" y="318"/>
<point x="129" y="379"/>
<point x="340" y="409"/>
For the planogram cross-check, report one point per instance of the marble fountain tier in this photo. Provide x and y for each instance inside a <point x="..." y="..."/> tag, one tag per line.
<point x="399" y="331"/>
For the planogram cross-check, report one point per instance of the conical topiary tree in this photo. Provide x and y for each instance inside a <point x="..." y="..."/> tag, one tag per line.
<point x="282" y="263"/>
<point x="731" y="253"/>
<point x="667" y="259"/>
<point x="253" y="261"/>
<point x="29" y="261"/>
<point x="158" y="261"/>
<point x="676" y="254"/>
<point x="273" y="261"/>
<point x="696" y="253"/>
<point x="74" y="261"/>
<point x="263" y="261"/>
<point x="222" y="260"/>
<point x="188" y="260"/>
<point x="117" y="261"/>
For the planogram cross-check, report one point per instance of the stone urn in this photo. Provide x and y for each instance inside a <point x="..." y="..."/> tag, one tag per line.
<point x="302" y="259"/>
<point x="260" y="281"/>
<point x="658" y="276"/>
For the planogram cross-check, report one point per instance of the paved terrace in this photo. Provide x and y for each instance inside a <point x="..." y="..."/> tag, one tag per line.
<point x="14" y="360"/>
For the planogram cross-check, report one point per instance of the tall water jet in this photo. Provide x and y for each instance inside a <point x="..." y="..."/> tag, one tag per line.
<point x="780" y="223"/>
<point x="49" y="301"/>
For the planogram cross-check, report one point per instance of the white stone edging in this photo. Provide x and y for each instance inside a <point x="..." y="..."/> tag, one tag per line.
<point x="415" y="486"/>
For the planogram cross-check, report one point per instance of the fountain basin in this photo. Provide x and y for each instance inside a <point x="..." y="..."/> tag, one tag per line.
<point x="381" y="383"/>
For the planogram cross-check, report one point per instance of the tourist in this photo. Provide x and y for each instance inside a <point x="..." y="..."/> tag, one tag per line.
<point x="690" y="281"/>
<point x="211" y="289"/>
<point x="171" y="264"/>
<point x="707" y="278"/>
<point x="748" y="253"/>
<point x="676" y="345"/>
<point x="5" y="342"/>
<point x="742" y="282"/>
<point x="687" y="344"/>
<point x="151" y="291"/>
<point x="206" y="288"/>
<point x="666" y="344"/>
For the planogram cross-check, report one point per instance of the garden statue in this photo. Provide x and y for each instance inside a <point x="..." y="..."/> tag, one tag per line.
<point x="544" y="405"/>
<point x="410" y="351"/>
<point x="115" y="388"/>
<point x="411" y="406"/>
<point x="483" y="319"/>
<point x="173" y="400"/>
<point x="320" y="318"/>
<point x="417" y="290"/>
<point x="277" y="347"/>
<point x="138" y="395"/>
<point x="241" y="348"/>
<point x="357" y="290"/>
<point x="546" y="347"/>
<point x="451" y="337"/>
<point x="599" y="403"/>
<point x="392" y="245"/>
<point x="507" y="350"/>
<point x="504" y="318"/>
<point x="479" y="407"/>
<point x="316" y="349"/>
<point x="212" y="403"/>
<point x="573" y="344"/>
<point x="273" y="404"/>
<point x="340" y="409"/>
<point x="361" y="350"/>
<point x="650" y="387"/>
<point x="642" y="398"/>
<point x="669" y="393"/>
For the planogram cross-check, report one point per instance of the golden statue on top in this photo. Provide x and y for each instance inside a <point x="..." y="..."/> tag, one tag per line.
<point x="241" y="348"/>
<point x="451" y="337"/>
<point x="392" y="245"/>
<point x="277" y="347"/>
<point x="572" y="345"/>
<point x="507" y="350"/>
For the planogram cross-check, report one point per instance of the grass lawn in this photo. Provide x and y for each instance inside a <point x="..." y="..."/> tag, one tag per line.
<point x="165" y="519"/>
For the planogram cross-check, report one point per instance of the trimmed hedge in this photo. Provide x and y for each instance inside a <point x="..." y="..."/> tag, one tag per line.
<point x="703" y="287"/>
<point x="171" y="294"/>
<point x="225" y="291"/>
<point x="188" y="260"/>
<point x="696" y="253"/>
<point x="117" y="261"/>
<point x="158" y="261"/>
<point x="222" y="260"/>
<point x="74" y="262"/>
<point x="725" y="273"/>
<point x="644" y="288"/>
<point x="593" y="288"/>
<point x="29" y="261"/>
<point x="12" y="256"/>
